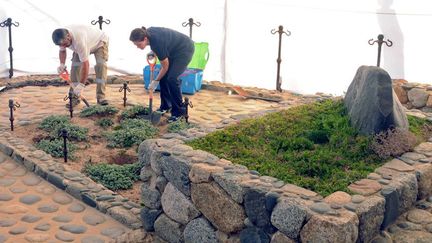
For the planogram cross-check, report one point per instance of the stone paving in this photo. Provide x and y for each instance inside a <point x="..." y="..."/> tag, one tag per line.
<point x="38" y="102"/>
<point x="33" y="210"/>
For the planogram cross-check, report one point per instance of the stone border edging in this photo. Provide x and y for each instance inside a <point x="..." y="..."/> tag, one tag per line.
<point x="219" y="200"/>
<point x="73" y="182"/>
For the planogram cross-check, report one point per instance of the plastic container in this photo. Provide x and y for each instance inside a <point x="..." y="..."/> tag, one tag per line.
<point x="200" y="56"/>
<point x="191" y="79"/>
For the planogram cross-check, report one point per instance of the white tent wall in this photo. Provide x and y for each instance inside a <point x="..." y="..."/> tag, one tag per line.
<point x="328" y="42"/>
<point x="34" y="51"/>
<point x="328" y="39"/>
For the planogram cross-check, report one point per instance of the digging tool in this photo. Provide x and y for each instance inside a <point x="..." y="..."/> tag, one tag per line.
<point x="154" y="116"/>
<point x="65" y="76"/>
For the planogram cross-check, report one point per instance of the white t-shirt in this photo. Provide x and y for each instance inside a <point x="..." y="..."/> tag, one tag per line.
<point x="85" y="40"/>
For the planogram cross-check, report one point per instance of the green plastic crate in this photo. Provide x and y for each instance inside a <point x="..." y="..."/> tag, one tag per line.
<point x="201" y="56"/>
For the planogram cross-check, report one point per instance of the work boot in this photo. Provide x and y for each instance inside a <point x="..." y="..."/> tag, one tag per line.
<point x="173" y="119"/>
<point x="162" y="111"/>
<point x="75" y="102"/>
<point x="102" y="102"/>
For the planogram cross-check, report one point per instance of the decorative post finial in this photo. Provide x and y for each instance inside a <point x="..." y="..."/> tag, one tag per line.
<point x="100" y="21"/>
<point x="191" y="23"/>
<point x="380" y="41"/>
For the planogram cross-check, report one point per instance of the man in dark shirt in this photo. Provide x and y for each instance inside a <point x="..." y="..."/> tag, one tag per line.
<point x="174" y="51"/>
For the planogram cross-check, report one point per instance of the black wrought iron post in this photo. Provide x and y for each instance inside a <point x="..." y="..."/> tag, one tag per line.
<point x="187" y="103"/>
<point x="100" y="21"/>
<point x="380" y="41"/>
<point x="70" y="96"/>
<point x="280" y="31"/>
<point x="8" y="23"/>
<point x="12" y="107"/>
<point x="191" y="23"/>
<point x="124" y="89"/>
<point x="64" y="134"/>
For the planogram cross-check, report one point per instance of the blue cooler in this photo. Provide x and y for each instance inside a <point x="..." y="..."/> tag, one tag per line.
<point x="191" y="79"/>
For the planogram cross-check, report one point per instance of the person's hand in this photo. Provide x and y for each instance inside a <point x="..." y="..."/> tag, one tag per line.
<point x="78" y="89"/>
<point x="153" y="85"/>
<point x="61" y="68"/>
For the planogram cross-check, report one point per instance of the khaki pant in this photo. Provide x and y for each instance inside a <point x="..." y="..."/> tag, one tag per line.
<point x="101" y="56"/>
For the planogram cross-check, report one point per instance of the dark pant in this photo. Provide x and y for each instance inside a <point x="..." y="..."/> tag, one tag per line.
<point x="170" y="85"/>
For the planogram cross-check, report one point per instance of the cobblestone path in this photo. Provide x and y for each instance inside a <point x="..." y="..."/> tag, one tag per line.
<point x="33" y="210"/>
<point x="38" y="102"/>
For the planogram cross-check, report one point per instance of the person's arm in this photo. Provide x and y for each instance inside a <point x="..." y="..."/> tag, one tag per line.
<point x="84" y="74"/>
<point x="164" y="68"/>
<point x="62" y="56"/>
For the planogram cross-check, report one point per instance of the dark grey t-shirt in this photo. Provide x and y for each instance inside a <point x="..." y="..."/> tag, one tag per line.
<point x="168" y="43"/>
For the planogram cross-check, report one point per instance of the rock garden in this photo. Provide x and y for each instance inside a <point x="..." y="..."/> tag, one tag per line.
<point x="302" y="169"/>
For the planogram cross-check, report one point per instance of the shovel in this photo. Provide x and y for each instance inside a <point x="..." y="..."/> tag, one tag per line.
<point x="65" y="76"/>
<point x="154" y="116"/>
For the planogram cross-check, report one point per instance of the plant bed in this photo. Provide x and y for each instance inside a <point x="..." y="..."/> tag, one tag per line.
<point x="101" y="140"/>
<point x="312" y="146"/>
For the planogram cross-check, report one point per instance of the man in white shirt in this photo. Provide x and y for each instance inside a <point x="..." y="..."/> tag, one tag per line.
<point x="84" y="40"/>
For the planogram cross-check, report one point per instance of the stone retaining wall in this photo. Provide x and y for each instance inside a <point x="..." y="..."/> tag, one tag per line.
<point x="414" y="95"/>
<point x="193" y="196"/>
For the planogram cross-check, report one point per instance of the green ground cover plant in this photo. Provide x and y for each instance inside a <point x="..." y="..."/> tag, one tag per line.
<point x="52" y="142"/>
<point x="114" y="177"/>
<point x="130" y="132"/>
<point x="55" y="148"/>
<point x="98" y="110"/>
<point x="178" y="126"/>
<point x="135" y="111"/>
<point x="421" y="128"/>
<point x="54" y="124"/>
<point x="104" y="122"/>
<point x="75" y="133"/>
<point x="312" y="146"/>
<point x="49" y="122"/>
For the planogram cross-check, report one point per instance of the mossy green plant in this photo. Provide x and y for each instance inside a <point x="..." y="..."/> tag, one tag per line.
<point x="55" y="148"/>
<point x="75" y="133"/>
<point x="312" y="146"/>
<point x="130" y="132"/>
<point x="112" y="176"/>
<point x="136" y="111"/>
<point x="50" y="122"/>
<point x="179" y="125"/>
<point x="421" y="128"/>
<point x="98" y="110"/>
<point x="55" y="124"/>
<point x="104" y="122"/>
